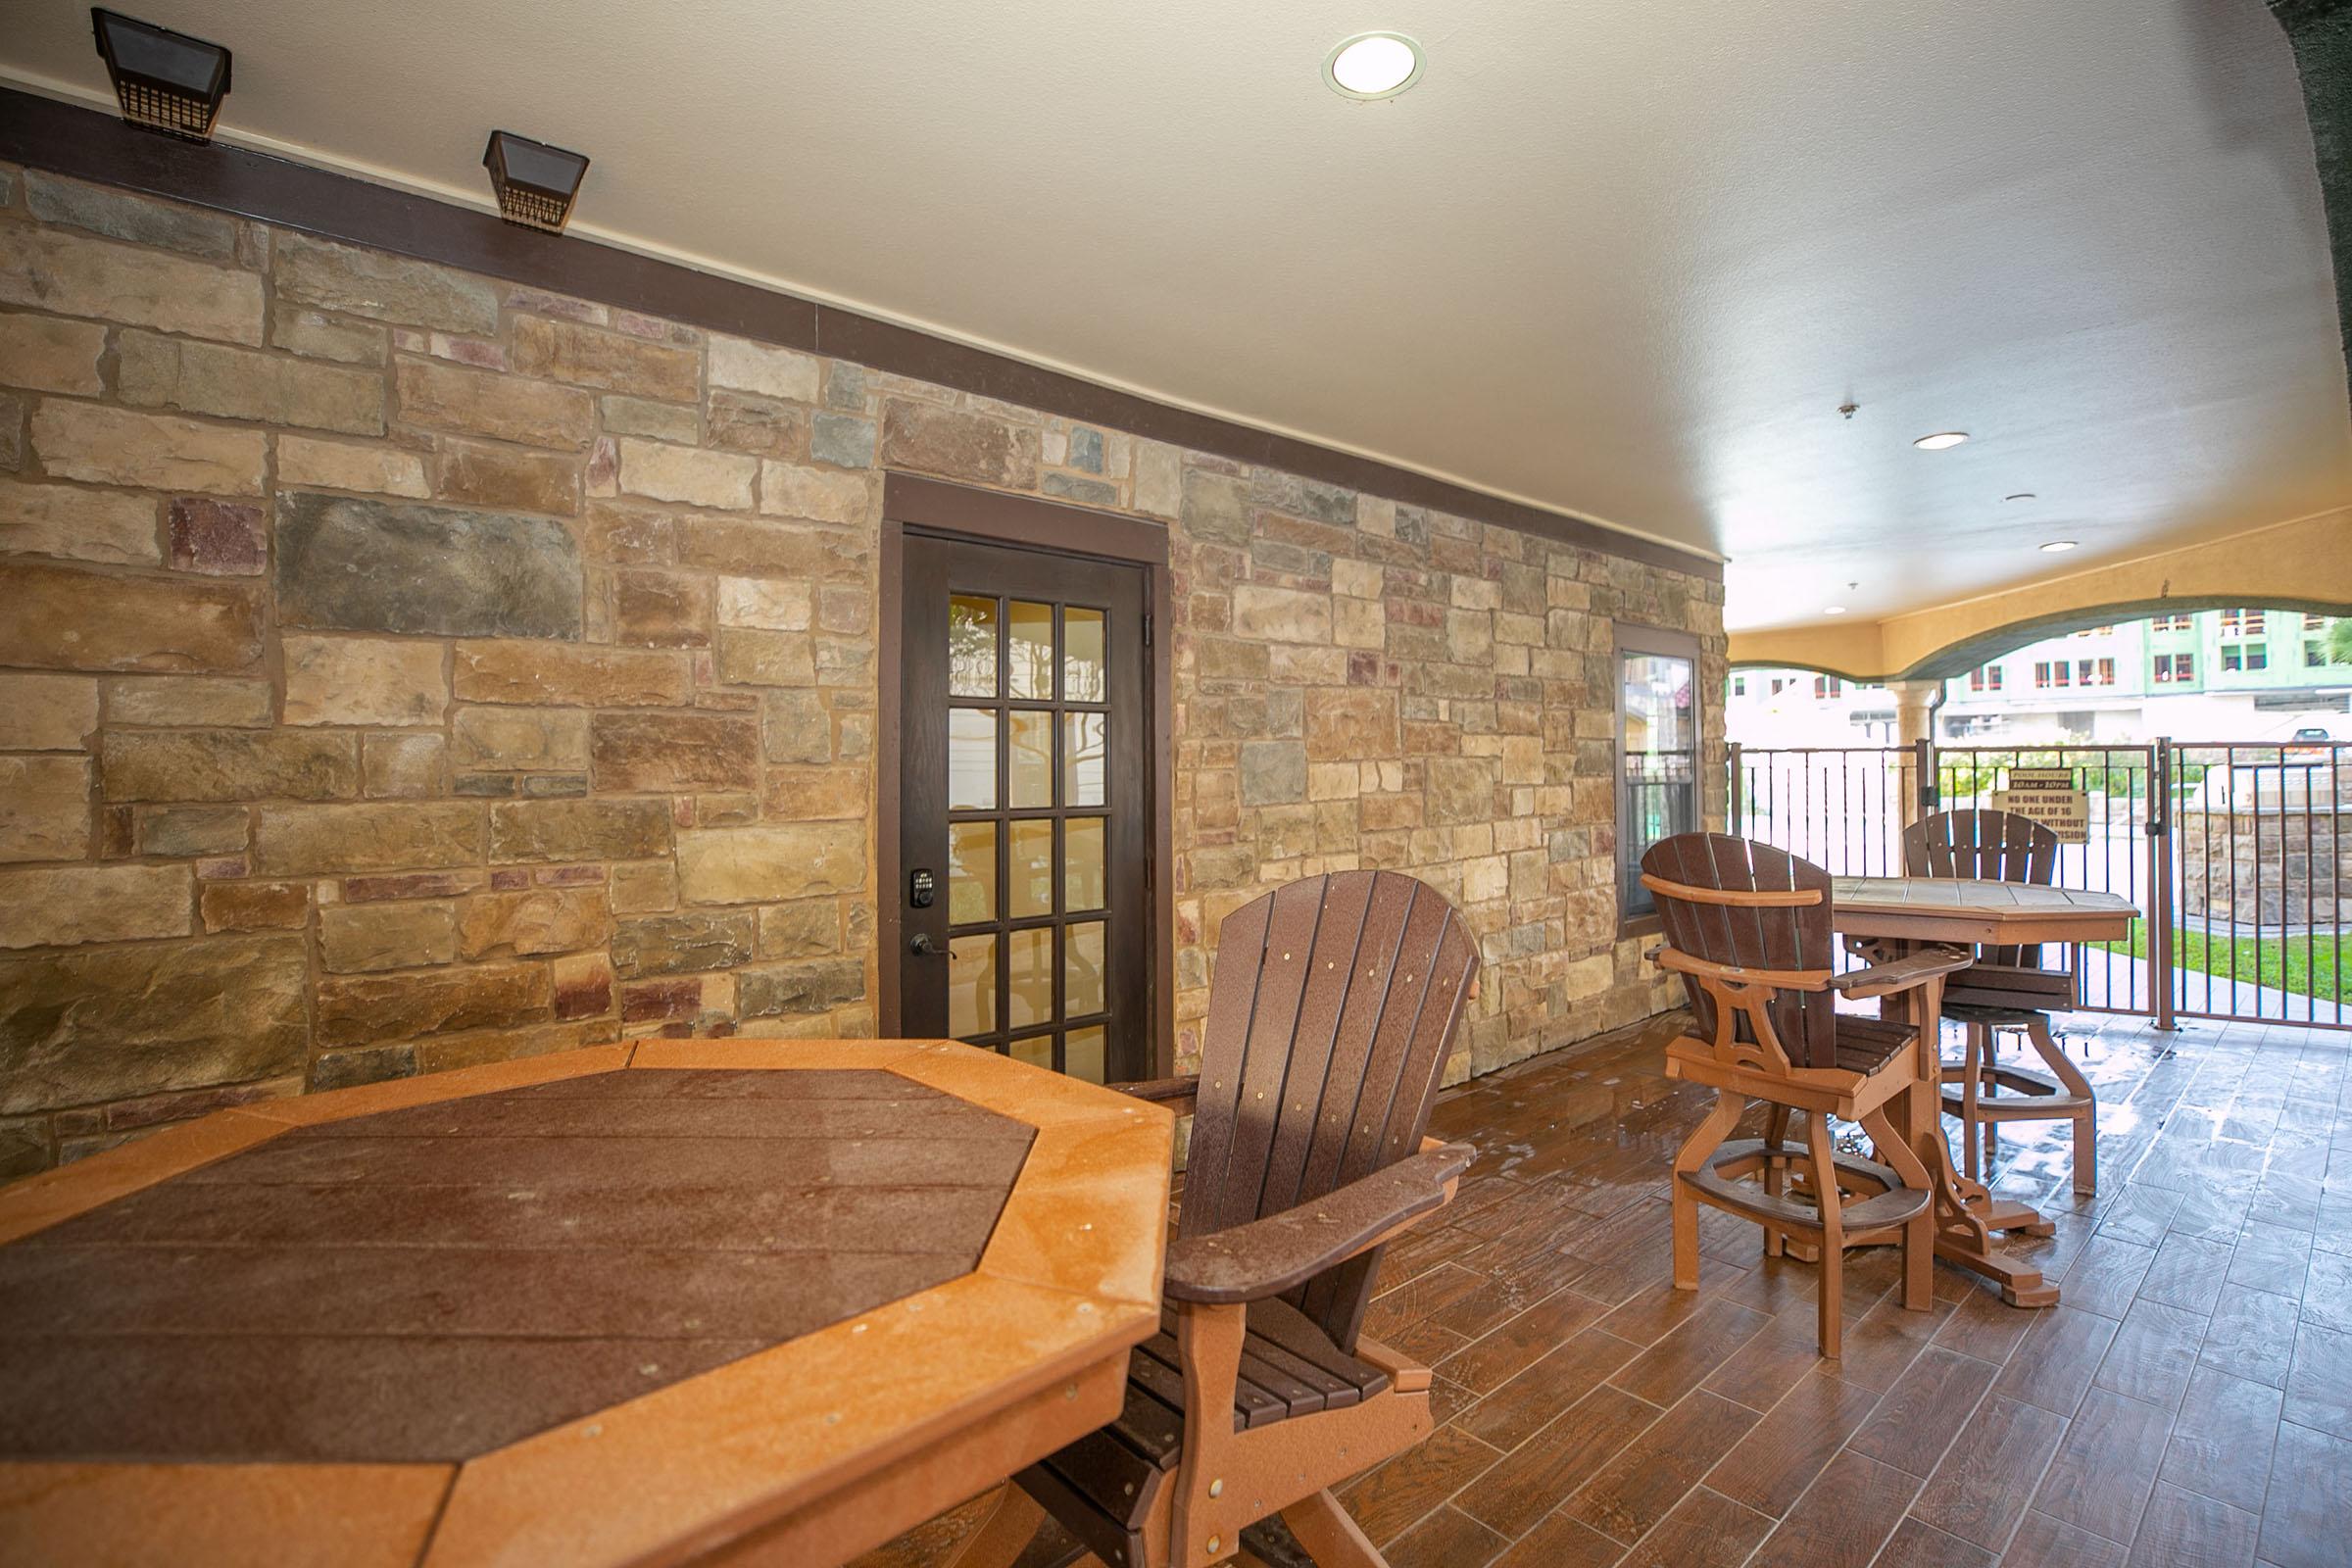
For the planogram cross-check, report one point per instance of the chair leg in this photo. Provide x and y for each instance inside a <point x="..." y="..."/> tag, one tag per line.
<point x="1000" y="1537"/>
<point x="1329" y="1535"/>
<point x="1776" y="1133"/>
<point x="1704" y="1140"/>
<point x="1832" y="1233"/>
<point x="1972" y="1070"/>
<point x="1919" y="1232"/>
<point x="2086" y="1120"/>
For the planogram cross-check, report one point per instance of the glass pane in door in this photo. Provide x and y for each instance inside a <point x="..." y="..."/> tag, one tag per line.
<point x="971" y="646"/>
<point x="1031" y="657"/>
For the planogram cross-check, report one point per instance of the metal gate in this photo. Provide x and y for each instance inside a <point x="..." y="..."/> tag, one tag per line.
<point x="2239" y="857"/>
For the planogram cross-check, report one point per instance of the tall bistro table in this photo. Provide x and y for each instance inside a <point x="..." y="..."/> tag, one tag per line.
<point x="1889" y="915"/>
<point x="678" y="1301"/>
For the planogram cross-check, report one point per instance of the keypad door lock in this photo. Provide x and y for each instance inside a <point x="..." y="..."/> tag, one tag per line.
<point x="921" y="888"/>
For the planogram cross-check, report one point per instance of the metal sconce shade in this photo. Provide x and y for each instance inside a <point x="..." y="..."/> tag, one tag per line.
<point x="167" y="81"/>
<point x="536" y="184"/>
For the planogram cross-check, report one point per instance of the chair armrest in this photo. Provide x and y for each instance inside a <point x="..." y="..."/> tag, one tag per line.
<point x="1268" y="1257"/>
<point x="1164" y="1091"/>
<point x="1917" y="969"/>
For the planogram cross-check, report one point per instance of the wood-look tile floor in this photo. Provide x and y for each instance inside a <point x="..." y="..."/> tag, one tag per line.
<point x="2188" y="1402"/>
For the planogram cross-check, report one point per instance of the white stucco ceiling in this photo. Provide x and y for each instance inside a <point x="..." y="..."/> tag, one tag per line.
<point x="1623" y="260"/>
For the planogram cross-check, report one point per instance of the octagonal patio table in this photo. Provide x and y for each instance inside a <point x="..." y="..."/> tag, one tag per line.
<point x="675" y="1301"/>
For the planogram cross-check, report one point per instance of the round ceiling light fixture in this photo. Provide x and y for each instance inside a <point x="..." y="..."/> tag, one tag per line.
<point x="1833" y="609"/>
<point x="1940" y="440"/>
<point x="2058" y="547"/>
<point x="1372" y="64"/>
<point x="2022" y="495"/>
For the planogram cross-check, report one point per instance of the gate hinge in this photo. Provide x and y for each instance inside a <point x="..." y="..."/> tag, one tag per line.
<point x="1147" y="631"/>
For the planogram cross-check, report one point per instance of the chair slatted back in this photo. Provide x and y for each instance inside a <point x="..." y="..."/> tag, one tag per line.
<point x="1988" y="847"/>
<point x="1797" y="937"/>
<point x="1329" y="1018"/>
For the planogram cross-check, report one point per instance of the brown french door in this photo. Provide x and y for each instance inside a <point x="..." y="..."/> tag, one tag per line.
<point x="1023" y="805"/>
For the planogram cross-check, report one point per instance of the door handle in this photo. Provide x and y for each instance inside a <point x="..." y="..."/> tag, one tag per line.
<point x="922" y="947"/>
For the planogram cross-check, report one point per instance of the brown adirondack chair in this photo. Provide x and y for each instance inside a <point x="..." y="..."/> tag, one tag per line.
<point x="2006" y="989"/>
<point x="1748" y="929"/>
<point x="1329" y="1018"/>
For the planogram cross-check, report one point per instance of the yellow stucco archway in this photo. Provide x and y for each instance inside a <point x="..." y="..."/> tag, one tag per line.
<point x="2302" y="565"/>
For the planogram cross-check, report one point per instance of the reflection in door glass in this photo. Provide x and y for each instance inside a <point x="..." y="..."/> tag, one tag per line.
<point x="1037" y="1051"/>
<point x="1029" y="985"/>
<point x="971" y="646"/>
<point x="1031" y="655"/>
<point x="971" y="760"/>
<point x="1082" y="1054"/>
<point x="1031" y="871"/>
<point x="1082" y="969"/>
<point x="1082" y="655"/>
<point x="1658" y="738"/>
<point x="971" y="872"/>
<point x="971" y="986"/>
<point x="1082" y="869"/>
<point x="1030" y="758"/>
<point x="1083" y="753"/>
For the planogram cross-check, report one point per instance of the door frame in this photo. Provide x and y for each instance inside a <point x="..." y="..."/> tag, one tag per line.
<point x="992" y="517"/>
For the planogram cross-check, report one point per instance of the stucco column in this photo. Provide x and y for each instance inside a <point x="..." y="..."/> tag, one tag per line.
<point x="1914" y="721"/>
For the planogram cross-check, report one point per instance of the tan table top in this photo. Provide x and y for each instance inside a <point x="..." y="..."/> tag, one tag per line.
<point x="676" y="1300"/>
<point x="1964" y="909"/>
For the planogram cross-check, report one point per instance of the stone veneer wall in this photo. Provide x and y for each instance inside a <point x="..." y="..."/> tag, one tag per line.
<point x="401" y="669"/>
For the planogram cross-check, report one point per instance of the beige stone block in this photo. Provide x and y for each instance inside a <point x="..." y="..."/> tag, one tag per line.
<point x="662" y="422"/>
<point x="358" y="1010"/>
<point x="591" y="355"/>
<point x="236" y="383"/>
<point x="1280" y="615"/>
<point x="46" y="713"/>
<point x="1357" y="579"/>
<point x="1359" y="623"/>
<point x="747" y="548"/>
<point x="1159" y="480"/>
<point x="360" y="938"/>
<point x="764" y="603"/>
<point x="83" y="1028"/>
<point x="817" y="794"/>
<point x="254" y="906"/>
<point x="655" y="608"/>
<point x="59" y="619"/>
<point x="378" y="836"/>
<point x="452" y="397"/>
<point x="748" y="656"/>
<point x="44" y="807"/>
<point x="960" y="445"/>
<point x="385" y="288"/>
<point x="323" y="337"/>
<point x="184" y="831"/>
<point x="535" y="920"/>
<point x="774" y="373"/>
<point x="364" y="680"/>
<point x="49" y="269"/>
<point x="401" y="765"/>
<point x="645" y="886"/>
<point x="60" y="907"/>
<point x="579" y="830"/>
<point x="542" y="674"/>
<point x="822" y="495"/>
<point x="809" y="929"/>
<point x="312" y="464"/>
<point x="506" y="477"/>
<point x="49" y="355"/>
<point x="1332" y="781"/>
<point x="519" y="739"/>
<point x="146" y="451"/>
<point x="769" y="864"/>
<point x="229" y="765"/>
<point x="1352" y="724"/>
<point x="195" y="702"/>
<point x="689" y="476"/>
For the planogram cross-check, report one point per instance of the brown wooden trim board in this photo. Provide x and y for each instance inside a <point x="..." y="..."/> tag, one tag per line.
<point x="68" y="139"/>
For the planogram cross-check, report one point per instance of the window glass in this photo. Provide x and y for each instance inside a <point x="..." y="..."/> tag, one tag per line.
<point x="1658" y="745"/>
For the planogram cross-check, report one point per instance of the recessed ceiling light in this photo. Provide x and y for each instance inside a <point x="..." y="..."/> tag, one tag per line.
<point x="1940" y="440"/>
<point x="2022" y="495"/>
<point x="1833" y="609"/>
<point x="2058" y="547"/>
<point x="1372" y="65"/>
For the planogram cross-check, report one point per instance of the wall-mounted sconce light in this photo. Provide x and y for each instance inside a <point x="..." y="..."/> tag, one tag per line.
<point x="167" y="81"/>
<point x="536" y="184"/>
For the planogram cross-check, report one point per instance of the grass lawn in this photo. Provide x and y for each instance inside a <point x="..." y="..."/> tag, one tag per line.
<point x="2308" y="966"/>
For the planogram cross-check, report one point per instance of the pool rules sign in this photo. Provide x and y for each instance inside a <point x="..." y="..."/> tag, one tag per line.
<point x="2049" y="796"/>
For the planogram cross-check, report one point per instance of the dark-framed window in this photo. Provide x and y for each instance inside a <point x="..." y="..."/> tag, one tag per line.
<point x="1658" y="730"/>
